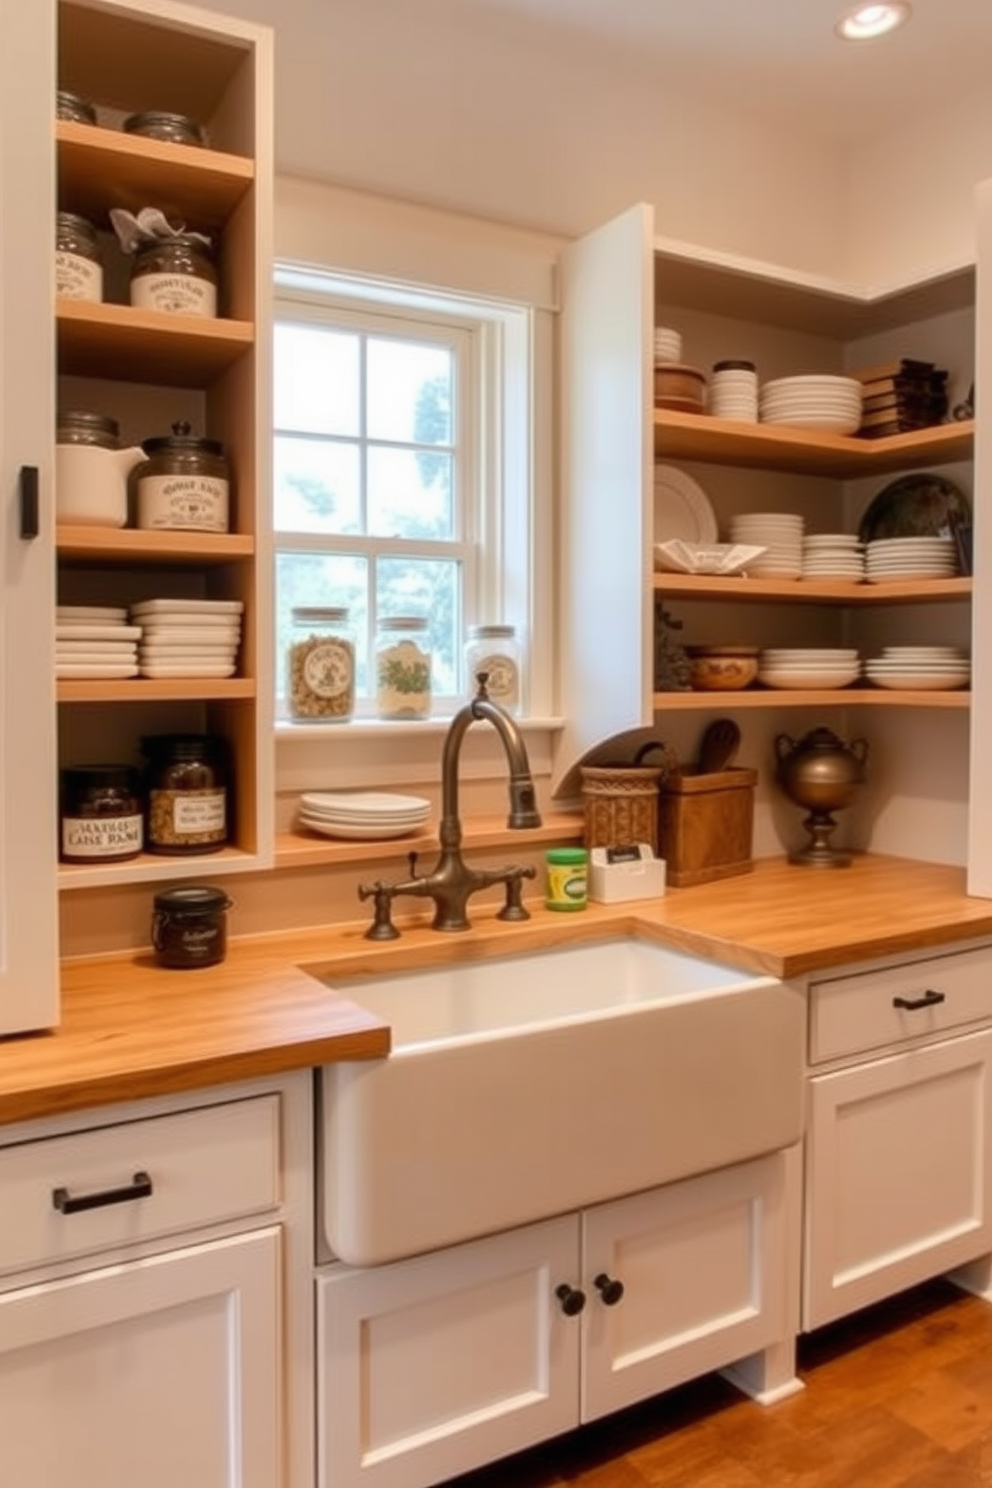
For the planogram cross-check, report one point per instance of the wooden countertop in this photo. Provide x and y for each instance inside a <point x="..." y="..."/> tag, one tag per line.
<point x="132" y="1030"/>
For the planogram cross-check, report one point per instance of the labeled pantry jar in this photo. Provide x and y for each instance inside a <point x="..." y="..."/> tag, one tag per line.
<point x="102" y="814"/>
<point x="320" y="665"/>
<point x="78" y="259"/>
<point x="184" y="484"/>
<point x="403" y="668"/>
<point x="176" y="275"/>
<point x="187" y="793"/>
<point x="175" y="129"/>
<point x="493" y="649"/>
<point x="189" y="926"/>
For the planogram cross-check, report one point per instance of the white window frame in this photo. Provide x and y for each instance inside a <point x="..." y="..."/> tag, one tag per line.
<point x="508" y="522"/>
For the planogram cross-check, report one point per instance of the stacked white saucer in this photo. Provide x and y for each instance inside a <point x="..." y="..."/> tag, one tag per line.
<point x="667" y="344"/>
<point x="920" y="668"/>
<point x="780" y="534"/>
<point x="833" y="555"/>
<point x="813" y="401"/>
<point x="809" y="666"/>
<point x="363" y="816"/>
<point x="95" y="641"/>
<point x="889" y="558"/>
<point x="188" y="637"/>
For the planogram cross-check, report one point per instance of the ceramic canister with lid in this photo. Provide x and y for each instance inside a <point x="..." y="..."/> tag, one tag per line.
<point x="184" y="484"/>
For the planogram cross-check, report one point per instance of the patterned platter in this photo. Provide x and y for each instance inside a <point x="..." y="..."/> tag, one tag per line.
<point x="922" y="505"/>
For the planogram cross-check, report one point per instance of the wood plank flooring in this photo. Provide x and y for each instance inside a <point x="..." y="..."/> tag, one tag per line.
<point x="898" y="1396"/>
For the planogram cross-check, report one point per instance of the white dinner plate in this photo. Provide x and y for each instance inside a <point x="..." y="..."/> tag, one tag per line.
<point x="105" y="671"/>
<point x="367" y="802"/>
<point x="351" y="832"/>
<point x="681" y="508"/>
<point x="188" y="607"/>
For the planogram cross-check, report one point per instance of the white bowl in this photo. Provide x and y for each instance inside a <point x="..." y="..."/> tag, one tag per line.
<point x="784" y="679"/>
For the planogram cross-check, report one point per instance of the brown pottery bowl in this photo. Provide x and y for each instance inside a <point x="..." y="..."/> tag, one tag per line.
<point x="722" y="668"/>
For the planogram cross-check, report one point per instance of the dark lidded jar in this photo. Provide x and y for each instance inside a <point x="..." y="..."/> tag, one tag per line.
<point x="78" y="259"/>
<point x="187" y="793"/>
<point x="73" y="109"/>
<point x="184" y="483"/>
<point x="189" y="926"/>
<point x="176" y="129"/>
<point x="102" y="818"/>
<point x="176" y="275"/>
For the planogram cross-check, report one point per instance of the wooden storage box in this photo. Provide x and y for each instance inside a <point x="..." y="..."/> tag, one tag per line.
<point x="706" y="825"/>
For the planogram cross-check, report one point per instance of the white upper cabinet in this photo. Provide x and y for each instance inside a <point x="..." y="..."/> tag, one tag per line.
<point x="28" y="909"/>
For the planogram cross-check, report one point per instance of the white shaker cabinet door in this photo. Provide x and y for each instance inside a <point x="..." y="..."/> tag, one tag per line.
<point x="28" y="771"/>
<point x="162" y="1372"/>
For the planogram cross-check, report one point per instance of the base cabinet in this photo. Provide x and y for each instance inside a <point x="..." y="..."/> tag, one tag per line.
<point x="432" y="1366"/>
<point x="163" y="1371"/>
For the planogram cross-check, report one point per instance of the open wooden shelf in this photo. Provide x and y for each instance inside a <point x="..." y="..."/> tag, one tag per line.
<point x="698" y="436"/>
<point x="304" y="849"/>
<point x="201" y="186"/>
<point x="788" y="697"/>
<point x="126" y="343"/>
<point x="809" y="591"/>
<point x="154" y="689"/>
<point x="126" y="544"/>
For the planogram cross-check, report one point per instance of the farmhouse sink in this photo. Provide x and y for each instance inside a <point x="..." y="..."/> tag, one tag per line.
<point x="530" y="1085"/>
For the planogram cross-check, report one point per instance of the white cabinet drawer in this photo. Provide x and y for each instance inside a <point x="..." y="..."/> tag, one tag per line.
<point x="890" y="1006"/>
<point x="119" y="1185"/>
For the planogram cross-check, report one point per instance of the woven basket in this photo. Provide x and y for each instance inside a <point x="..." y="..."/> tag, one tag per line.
<point x="621" y="805"/>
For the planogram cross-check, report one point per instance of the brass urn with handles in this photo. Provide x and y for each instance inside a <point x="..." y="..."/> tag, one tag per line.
<point x="822" y="774"/>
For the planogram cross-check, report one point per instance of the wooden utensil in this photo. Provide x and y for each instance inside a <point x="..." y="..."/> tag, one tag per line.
<point x="719" y="745"/>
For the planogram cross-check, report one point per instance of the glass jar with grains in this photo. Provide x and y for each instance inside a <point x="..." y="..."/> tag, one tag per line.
<point x="403" y="668"/>
<point x="176" y="275"/>
<point x="320" y="665"/>
<point x="78" y="259"/>
<point x="187" y="793"/>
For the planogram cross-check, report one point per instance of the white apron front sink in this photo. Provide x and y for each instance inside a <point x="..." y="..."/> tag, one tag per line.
<point x="520" y="1087"/>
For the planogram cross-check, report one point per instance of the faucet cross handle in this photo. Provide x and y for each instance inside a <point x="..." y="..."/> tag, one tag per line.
<point x="514" y="909"/>
<point x="382" y="927"/>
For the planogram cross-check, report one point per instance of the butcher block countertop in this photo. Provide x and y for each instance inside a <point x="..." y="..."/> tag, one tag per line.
<point x="131" y="1030"/>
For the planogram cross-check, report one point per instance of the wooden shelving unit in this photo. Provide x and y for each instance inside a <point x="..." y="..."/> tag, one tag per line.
<point x="787" y="697"/>
<point x="804" y="591"/>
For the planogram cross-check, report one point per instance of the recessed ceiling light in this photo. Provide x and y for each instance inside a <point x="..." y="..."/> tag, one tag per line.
<point x="864" y="22"/>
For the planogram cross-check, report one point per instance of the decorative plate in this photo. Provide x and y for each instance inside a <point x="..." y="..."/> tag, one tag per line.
<point x="924" y="505"/>
<point x="682" y="508"/>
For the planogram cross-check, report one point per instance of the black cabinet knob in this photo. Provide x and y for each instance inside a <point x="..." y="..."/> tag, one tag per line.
<point x="571" y="1299"/>
<point x="609" y="1289"/>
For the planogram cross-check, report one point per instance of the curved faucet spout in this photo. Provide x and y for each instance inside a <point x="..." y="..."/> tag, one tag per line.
<point x="523" y="798"/>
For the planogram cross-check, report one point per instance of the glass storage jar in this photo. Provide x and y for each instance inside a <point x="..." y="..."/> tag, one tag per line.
<point x="320" y="665"/>
<point x="493" y="649"/>
<point x="102" y="816"/>
<point x="78" y="259"/>
<point x="184" y="483"/>
<point x="73" y="109"/>
<point x="187" y="793"/>
<point x="176" y="129"/>
<point x="176" y="275"/>
<point x="189" y="926"/>
<point x="403" y="668"/>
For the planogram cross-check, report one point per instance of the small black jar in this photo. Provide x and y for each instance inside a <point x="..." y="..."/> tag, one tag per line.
<point x="189" y="926"/>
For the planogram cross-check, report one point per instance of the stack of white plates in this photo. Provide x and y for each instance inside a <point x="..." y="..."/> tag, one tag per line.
<point x="833" y="555"/>
<point x="188" y="637"/>
<point x="920" y="668"/>
<point x="667" y="344"/>
<point x="814" y="401"/>
<point x="780" y="534"/>
<point x="889" y="558"/>
<point x="95" y="641"/>
<point x="733" y="392"/>
<point x="809" y="666"/>
<point x="363" y="816"/>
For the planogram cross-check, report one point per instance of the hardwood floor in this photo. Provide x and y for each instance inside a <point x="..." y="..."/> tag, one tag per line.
<point x="899" y="1396"/>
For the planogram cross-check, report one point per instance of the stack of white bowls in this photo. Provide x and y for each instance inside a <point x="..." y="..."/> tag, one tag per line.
<point x="890" y="558"/>
<point x="833" y="555"/>
<point x="809" y="667"/>
<point x="363" y="816"/>
<point x="780" y="534"/>
<point x="667" y="344"/>
<point x="733" y="391"/>
<point x="95" y="641"/>
<point x="188" y="637"/>
<point x="920" y="668"/>
<point x="813" y="401"/>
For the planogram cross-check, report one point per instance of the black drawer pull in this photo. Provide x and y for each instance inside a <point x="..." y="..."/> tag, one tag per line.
<point x="30" y="515"/>
<point x="912" y="1004"/>
<point x="140" y="1187"/>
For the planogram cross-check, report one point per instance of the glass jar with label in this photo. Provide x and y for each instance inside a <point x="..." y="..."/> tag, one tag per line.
<point x="78" y="259"/>
<point x="176" y="275"/>
<point x="403" y="668"/>
<point x="320" y="665"/>
<point x="493" y="649"/>
<point x="102" y="817"/>
<point x="183" y="484"/>
<point x="187" y="793"/>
